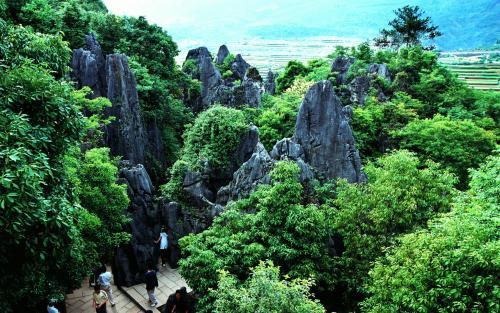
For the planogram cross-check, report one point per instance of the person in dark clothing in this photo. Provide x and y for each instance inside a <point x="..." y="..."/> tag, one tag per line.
<point x="151" y="284"/>
<point x="176" y="303"/>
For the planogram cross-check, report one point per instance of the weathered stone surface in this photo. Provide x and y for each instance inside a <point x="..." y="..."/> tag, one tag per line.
<point x="288" y="149"/>
<point x="131" y="259"/>
<point x="125" y="135"/>
<point x="253" y="74"/>
<point x="323" y="131"/>
<point x="359" y="89"/>
<point x="252" y="173"/>
<point x="222" y="54"/>
<point x="196" y="185"/>
<point x="270" y="82"/>
<point x="248" y="93"/>
<point x="248" y="141"/>
<point x="380" y="70"/>
<point x="341" y="65"/>
<point x="211" y="79"/>
<point x="198" y="54"/>
<point x="239" y="67"/>
<point x="88" y="67"/>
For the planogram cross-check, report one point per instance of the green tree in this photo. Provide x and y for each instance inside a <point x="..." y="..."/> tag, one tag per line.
<point x="97" y="191"/>
<point x="286" y="78"/>
<point x="41" y="247"/>
<point x="409" y="28"/>
<point x="375" y="123"/>
<point x="400" y="196"/>
<point x="264" y="292"/>
<point x="208" y="144"/>
<point x="457" y="145"/>
<point x="75" y="23"/>
<point x="292" y="235"/>
<point x="451" y="267"/>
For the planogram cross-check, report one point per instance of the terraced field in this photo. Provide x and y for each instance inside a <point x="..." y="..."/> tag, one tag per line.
<point x="479" y="76"/>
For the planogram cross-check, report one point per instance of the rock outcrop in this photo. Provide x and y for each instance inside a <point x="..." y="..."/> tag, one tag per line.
<point x="323" y="147"/>
<point x="239" y="67"/>
<point x="323" y="131"/>
<point x="130" y="260"/>
<point x="88" y="67"/>
<point x="222" y="54"/>
<point x="125" y="135"/>
<point x="380" y="70"/>
<point x="270" y="82"/>
<point x="215" y="89"/>
<point x="358" y="88"/>
<point x="341" y="66"/>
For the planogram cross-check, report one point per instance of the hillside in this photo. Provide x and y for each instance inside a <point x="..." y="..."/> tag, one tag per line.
<point x="363" y="180"/>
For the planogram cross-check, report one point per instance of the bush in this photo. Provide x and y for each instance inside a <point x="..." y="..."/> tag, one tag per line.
<point x="264" y="292"/>
<point x="286" y="78"/>
<point x="450" y="267"/>
<point x="457" y="145"/>
<point x="400" y="197"/>
<point x="283" y="230"/>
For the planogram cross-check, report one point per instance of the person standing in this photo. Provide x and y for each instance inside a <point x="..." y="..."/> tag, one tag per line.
<point x="99" y="299"/>
<point x="163" y="240"/>
<point x="51" y="307"/>
<point x="104" y="280"/>
<point x="151" y="284"/>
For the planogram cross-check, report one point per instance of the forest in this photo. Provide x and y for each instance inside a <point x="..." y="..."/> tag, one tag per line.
<point x="365" y="181"/>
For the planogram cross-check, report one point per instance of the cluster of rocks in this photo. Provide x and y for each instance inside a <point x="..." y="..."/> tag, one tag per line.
<point x="358" y="87"/>
<point x="322" y="146"/>
<point x="130" y="137"/>
<point x="226" y="91"/>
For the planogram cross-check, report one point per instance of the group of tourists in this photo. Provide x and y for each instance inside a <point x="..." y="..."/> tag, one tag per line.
<point x="179" y="302"/>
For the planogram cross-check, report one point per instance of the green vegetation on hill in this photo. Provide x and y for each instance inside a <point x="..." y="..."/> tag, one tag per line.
<point x="421" y="235"/>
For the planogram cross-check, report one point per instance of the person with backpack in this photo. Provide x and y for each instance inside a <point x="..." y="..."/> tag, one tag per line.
<point x="104" y="280"/>
<point x="151" y="283"/>
<point x="99" y="299"/>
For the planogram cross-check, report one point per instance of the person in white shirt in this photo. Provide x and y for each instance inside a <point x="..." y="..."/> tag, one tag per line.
<point x="163" y="240"/>
<point x="105" y="281"/>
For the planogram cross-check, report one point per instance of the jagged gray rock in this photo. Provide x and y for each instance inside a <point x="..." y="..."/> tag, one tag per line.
<point x="125" y="135"/>
<point x="381" y="70"/>
<point x="222" y="54"/>
<point x="211" y="79"/>
<point x="201" y="187"/>
<point x="198" y="54"/>
<point x="341" y="65"/>
<point x="252" y="173"/>
<point x="131" y="259"/>
<point x="323" y="131"/>
<point x="239" y="67"/>
<point x="358" y="88"/>
<point x="270" y="82"/>
<point x="88" y="67"/>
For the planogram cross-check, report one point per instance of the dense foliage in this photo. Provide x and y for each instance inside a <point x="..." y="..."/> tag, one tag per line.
<point x="281" y="229"/>
<point x="457" y="144"/>
<point x="40" y="119"/>
<point x="453" y="265"/>
<point x="264" y="292"/>
<point x="208" y="145"/>
<point x="94" y="181"/>
<point x="404" y="241"/>
<point x="51" y="215"/>
<point x="400" y="196"/>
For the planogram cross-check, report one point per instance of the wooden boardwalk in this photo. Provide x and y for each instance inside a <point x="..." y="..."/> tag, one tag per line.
<point x="169" y="280"/>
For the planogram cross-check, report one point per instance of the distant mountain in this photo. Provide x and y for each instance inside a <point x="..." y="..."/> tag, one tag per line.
<point x="465" y="24"/>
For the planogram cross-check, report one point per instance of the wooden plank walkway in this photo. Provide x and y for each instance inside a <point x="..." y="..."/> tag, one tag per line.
<point x="169" y="280"/>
